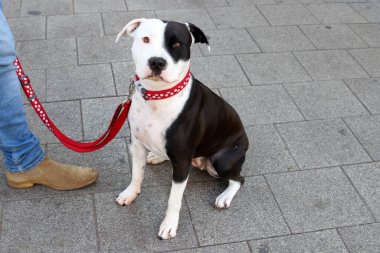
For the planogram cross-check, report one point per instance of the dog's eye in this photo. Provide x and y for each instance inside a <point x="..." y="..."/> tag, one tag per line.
<point x="146" y="39"/>
<point x="177" y="45"/>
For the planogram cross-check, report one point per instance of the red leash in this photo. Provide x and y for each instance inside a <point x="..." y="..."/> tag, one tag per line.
<point x="114" y="127"/>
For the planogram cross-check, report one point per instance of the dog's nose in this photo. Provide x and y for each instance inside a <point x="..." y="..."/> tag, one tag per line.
<point x="157" y="64"/>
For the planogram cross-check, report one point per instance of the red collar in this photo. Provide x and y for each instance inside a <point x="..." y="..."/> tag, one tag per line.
<point x="162" y="94"/>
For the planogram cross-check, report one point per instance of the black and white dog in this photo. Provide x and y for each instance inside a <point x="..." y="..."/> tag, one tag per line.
<point x="175" y="117"/>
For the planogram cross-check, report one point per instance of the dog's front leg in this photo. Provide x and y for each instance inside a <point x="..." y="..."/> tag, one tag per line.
<point x="138" y="152"/>
<point x="168" y="228"/>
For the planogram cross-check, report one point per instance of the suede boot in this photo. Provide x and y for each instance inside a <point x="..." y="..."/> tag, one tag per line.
<point x="54" y="175"/>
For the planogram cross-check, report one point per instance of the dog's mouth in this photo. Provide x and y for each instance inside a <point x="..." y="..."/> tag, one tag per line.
<point x="154" y="77"/>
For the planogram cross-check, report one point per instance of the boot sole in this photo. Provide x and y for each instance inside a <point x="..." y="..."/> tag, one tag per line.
<point x="20" y="185"/>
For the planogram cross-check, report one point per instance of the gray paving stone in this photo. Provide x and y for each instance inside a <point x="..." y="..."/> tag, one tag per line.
<point x="335" y="13"/>
<point x="318" y="199"/>
<point x="122" y="71"/>
<point x="366" y="179"/>
<point x="88" y="6"/>
<point x="134" y="228"/>
<point x="218" y="71"/>
<point x="65" y="115"/>
<point x="59" y="224"/>
<point x="262" y="104"/>
<point x="267" y="152"/>
<point x="249" y="2"/>
<point x="237" y="17"/>
<point x="287" y="14"/>
<point x="370" y="11"/>
<point x="198" y="17"/>
<point x="41" y="54"/>
<point x="111" y="162"/>
<point x="79" y="25"/>
<point x="243" y="220"/>
<point x="367" y="130"/>
<point x="241" y="247"/>
<point x="46" y="7"/>
<point x="11" y="8"/>
<point x="38" y="80"/>
<point x="362" y="238"/>
<point x="330" y="64"/>
<point x="273" y="68"/>
<point x="104" y="49"/>
<point x="333" y="36"/>
<point x="369" y="58"/>
<point x="323" y="143"/>
<point x="97" y="114"/>
<point x="80" y="82"/>
<point x="134" y="5"/>
<point x="325" y="99"/>
<point x="321" y="241"/>
<point x="28" y="28"/>
<point x="115" y="21"/>
<point x="348" y="1"/>
<point x="229" y="41"/>
<point x="299" y="1"/>
<point x="1" y="215"/>
<point x="370" y="33"/>
<point x="280" y="38"/>
<point x="160" y="175"/>
<point x="201" y="3"/>
<point x="368" y="91"/>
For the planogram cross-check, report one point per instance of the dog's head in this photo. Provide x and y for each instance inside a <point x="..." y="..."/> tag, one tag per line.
<point x="161" y="49"/>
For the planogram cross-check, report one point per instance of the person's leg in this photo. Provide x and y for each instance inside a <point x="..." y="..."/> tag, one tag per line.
<point x="20" y="147"/>
<point x="24" y="158"/>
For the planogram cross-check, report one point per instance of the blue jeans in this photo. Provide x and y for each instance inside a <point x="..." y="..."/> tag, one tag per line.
<point x="21" y="149"/>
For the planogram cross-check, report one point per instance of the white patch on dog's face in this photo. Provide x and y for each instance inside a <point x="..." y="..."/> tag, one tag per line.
<point x="149" y="41"/>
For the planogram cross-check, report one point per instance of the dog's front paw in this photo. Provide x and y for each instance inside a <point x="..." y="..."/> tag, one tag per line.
<point x="127" y="196"/>
<point x="152" y="158"/>
<point x="168" y="228"/>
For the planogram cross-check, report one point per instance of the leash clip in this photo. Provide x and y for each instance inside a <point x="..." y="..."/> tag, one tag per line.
<point x="131" y="89"/>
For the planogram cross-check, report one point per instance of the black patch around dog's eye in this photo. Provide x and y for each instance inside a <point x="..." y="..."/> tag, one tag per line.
<point x="176" y="32"/>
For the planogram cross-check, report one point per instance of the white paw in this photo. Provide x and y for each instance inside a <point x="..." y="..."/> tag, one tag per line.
<point x="152" y="158"/>
<point x="127" y="196"/>
<point x="168" y="228"/>
<point x="224" y="200"/>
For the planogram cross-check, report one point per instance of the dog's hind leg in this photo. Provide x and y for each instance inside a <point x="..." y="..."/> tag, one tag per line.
<point x="224" y="199"/>
<point x="228" y="163"/>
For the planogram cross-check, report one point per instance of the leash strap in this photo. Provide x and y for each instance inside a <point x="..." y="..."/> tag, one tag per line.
<point x="118" y="119"/>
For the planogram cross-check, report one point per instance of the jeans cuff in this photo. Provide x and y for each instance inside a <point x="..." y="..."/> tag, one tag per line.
<point x="26" y="167"/>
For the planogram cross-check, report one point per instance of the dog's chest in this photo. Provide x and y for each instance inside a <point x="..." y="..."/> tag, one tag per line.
<point x="149" y="120"/>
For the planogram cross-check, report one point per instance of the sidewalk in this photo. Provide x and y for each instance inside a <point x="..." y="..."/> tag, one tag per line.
<point x="304" y="76"/>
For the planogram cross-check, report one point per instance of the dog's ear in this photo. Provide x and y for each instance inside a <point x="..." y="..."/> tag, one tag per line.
<point x="198" y="35"/>
<point x="129" y="28"/>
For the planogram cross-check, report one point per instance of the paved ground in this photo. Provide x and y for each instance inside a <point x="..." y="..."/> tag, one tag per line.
<point x="304" y="76"/>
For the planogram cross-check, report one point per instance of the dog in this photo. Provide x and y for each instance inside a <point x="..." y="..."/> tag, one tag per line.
<point x="175" y="117"/>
